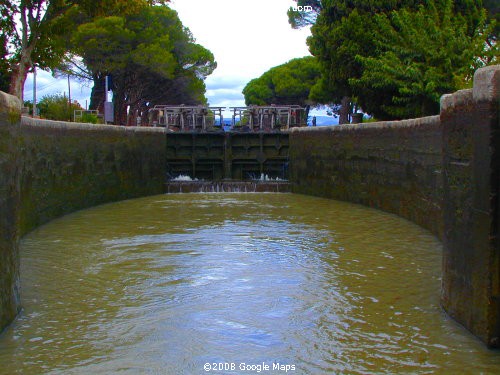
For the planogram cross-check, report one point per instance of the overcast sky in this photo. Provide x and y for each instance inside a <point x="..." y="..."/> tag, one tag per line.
<point x="246" y="37"/>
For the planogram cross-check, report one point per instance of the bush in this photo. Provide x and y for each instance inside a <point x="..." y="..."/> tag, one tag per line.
<point x="55" y="107"/>
<point x="89" y="118"/>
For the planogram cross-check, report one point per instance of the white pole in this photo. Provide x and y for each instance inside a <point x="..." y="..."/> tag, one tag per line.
<point x="106" y="90"/>
<point x="69" y="98"/>
<point x="34" y="90"/>
<point x="105" y="97"/>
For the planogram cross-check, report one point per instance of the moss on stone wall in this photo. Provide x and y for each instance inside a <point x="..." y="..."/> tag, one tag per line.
<point x="67" y="167"/>
<point x="441" y="172"/>
<point x="393" y="166"/>
<point x="10" y="116"/>
<point x="471" y="211"/>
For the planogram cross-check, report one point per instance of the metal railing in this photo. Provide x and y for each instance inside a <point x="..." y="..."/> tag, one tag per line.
<point x="186" y="118"/>
<point x="204" y="118"/>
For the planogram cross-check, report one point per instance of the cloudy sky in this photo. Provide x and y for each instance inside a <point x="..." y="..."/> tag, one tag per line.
<point x="246" y="37"/>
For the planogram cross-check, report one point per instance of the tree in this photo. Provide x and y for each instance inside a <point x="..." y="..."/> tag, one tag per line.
<point x="37" y="30"/>
<point x="342" y="31"/>
<point x="148" y="54"/>
<point x="36" y="20"/>
<point x="289" y="83"/>
<point x="304" y="17"/>
<point x="4" y="65"/>
<point x="417" y="71"/>
<point x="342" y="36"/>
<point x="493" y="12"/>
<point x="57" y="107"/>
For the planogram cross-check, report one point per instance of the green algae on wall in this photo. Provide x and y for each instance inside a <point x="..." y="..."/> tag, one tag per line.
<point x="471" y="164"/>
<point x="10" y="116"/>
<point x="67" y="167"/>
<point x="393" y="166"/>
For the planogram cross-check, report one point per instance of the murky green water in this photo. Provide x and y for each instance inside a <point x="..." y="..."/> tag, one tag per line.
<point x="165" y="284"/>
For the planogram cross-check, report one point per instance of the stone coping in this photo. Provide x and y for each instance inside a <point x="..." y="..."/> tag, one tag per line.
<point x="423" y="121"/>
<point x="63" y="125"/>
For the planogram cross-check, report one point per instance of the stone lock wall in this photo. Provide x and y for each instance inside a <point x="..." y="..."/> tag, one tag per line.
<point x="394" y="166"/>
<point x="68" y="166"/>
<point x="10" y="116"/>
<point x="471" y="205"/>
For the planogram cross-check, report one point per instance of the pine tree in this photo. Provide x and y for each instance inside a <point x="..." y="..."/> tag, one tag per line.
<point x="424" y="54"/>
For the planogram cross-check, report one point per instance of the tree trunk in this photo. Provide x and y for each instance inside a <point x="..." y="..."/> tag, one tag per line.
<point x="121" y="112"/>
<point x="308" y="109"/>
<point x="19" y="74"/>
<point x="120" y="109"/>
<point x="29" y="39"/>
<point x="97" y="94"/>
<point x="345" y="109"/>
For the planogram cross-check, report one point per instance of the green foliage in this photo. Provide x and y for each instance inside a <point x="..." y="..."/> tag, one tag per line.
<point x="89" y="118"/>
<point x="4" y="65"/>
<point x="288" y="83"/>
<point x="34" y="32"/>
<point x="493" y="13"/>
<point x="104" y="43"/>
<point x="28" y="104"/>
<point x="344" y="30"/>
<point x="56" y="107"/>
<point x="351" y="37"/>
<point x="424" y="54"/>
<point x="38" y="31"/>
<point x="151" y="56"/>
<point x="301" y="18"/>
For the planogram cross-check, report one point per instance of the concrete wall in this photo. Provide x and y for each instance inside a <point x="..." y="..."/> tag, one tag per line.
<point x="68" y="166"/>
<point x="471" y="165"/>
<point x="440" y="172"/>
<point x="10" y="116"/>
<point x="394" y="166"/>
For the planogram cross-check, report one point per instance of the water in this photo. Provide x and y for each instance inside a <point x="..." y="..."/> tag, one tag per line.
<point x="165" y="284"/>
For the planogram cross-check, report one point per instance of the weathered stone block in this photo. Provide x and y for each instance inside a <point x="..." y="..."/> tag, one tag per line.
<point x="471" y="165"/>
<point x="394" y="166"/>
<point x="10" y="116"/>
<point x="70" y="166"/>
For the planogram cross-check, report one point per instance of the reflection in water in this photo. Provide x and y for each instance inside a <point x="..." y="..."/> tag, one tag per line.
<point x="164" y="284"/>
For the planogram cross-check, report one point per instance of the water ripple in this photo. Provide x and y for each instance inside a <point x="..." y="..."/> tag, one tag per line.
<point x="164" y="284"/>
